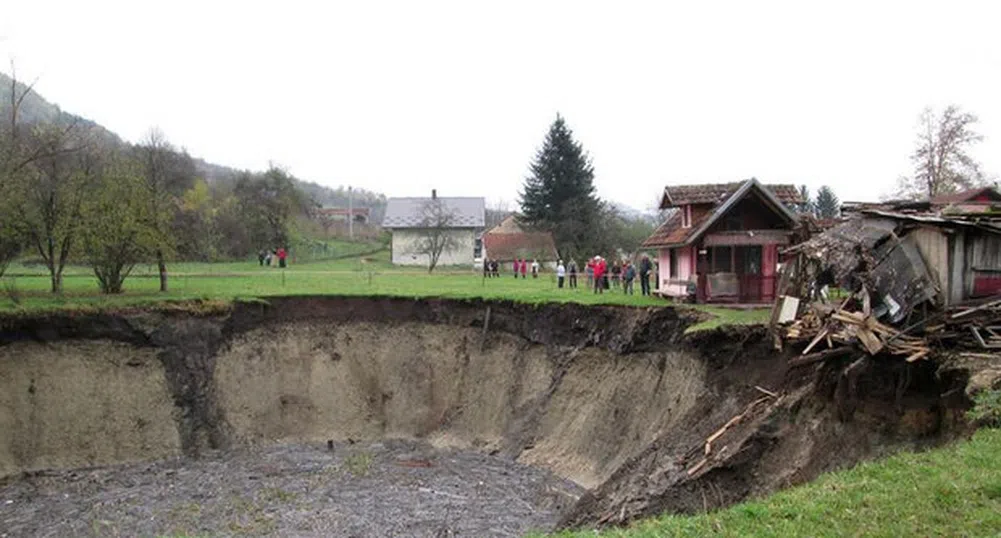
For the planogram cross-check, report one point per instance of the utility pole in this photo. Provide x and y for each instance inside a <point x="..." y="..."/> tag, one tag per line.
<point x="351" y="215"/>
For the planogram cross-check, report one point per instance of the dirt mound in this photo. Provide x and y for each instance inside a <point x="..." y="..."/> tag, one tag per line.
<point x="617" y="399"/>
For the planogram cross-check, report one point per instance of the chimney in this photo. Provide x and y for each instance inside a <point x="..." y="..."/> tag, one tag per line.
<point x="434" y="194"/>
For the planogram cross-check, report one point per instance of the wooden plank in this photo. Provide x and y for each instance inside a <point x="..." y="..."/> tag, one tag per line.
<point x="815" y="340"/>
<point x="871" y="342"/>
<point x="819" y="356"/>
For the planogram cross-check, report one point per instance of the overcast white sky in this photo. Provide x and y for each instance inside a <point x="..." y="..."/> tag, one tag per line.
<point x="400" y="97"/>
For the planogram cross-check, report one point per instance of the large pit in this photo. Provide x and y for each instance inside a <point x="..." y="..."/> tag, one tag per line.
<point x="378" y="417"/>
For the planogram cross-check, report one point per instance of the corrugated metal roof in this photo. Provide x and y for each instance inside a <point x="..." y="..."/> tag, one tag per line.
<point x="409" y="212"/>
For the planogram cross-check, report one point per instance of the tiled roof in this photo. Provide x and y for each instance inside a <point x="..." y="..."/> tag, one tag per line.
<point x="967" y="195"/>
<point x="672" y="233"/>
<point x="408" y="212"/>
<point x="677" y="195"/>
<point x="528" y="245"/>
<point x="344" y="211"/>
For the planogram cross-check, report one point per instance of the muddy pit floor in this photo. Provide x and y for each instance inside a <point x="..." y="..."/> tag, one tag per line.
<point x="390" y="488"/>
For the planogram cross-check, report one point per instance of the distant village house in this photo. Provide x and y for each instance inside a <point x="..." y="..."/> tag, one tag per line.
<point x="724" y="240"/>
<point x="360" y="215"/>
<point x="406" y="219"/>
<point x="508" y="241"/>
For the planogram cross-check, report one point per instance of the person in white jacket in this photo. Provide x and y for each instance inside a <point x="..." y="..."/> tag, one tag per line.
<point x="561" y="273"/>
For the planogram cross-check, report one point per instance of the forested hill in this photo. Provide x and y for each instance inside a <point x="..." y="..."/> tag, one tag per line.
<point x="36" y="109"/>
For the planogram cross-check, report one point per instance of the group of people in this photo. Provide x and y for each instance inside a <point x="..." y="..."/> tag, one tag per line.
<point x="267" y="257"/>
<point x="491" y="268"/>
<point x="601" y="277"/>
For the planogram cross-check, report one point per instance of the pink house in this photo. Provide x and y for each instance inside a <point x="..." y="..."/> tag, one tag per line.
<point x="724" y="239"/>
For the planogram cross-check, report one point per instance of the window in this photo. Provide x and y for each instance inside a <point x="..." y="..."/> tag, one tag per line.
<point x="478" y="248"/>
<point x="722" y="259"/>
<point x="674" y="264"/>
<point x="686" y="216"/>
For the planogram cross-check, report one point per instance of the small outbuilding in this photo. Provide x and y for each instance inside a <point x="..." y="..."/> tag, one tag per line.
<point x="508" y="241"/>
<point x="724" y="239"/>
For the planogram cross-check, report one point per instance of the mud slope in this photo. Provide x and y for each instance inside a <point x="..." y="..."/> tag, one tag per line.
<point x="615" y="399"/>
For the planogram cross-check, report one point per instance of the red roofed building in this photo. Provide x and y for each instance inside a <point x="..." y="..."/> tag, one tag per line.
<point x="724" y="238"/>
<point x="507" y="241"/>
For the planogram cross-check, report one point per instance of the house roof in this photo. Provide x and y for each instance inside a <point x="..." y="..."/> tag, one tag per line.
<point x="712" y="193"/>
<point x="343" y="211"/>
<point x="510" y="246"/>
<point x="409" y="212"/>
<point x="671" y="233"/>
<point x="508" y="241"/>
<point x="968" y="195"/>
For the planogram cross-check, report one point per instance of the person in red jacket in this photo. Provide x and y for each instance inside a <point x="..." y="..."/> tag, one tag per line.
<point x="599" y="275"/>
<point x="524" y="269"/>
<point x="281" y="257"/>
<point x="517" y="266"/>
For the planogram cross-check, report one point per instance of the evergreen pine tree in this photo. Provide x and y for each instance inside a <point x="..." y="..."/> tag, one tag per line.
<point x="559" y="195"/>
<point x="828" y="205"/>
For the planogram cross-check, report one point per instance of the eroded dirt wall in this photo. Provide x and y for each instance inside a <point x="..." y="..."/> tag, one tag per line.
<point x="578" y="412"/>
<point x="82" y="403"/>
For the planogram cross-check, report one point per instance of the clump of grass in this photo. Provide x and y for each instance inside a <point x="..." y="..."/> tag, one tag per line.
<point x="278" y="495"/>
<point x="359" y="463"/>
<point x="986" y="409"/>
<point x="11" y="291"/>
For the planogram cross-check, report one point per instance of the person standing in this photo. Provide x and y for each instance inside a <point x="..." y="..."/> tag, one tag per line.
<point x="260" y="257"/>
<point x="517" y="266"/>
<point x="628" y="274"/>
<point x="524" y="269"/>
<point x="486" y="267"/>
<point x="589" y="269"/>
<point x="561" y="273"/>
<point x="281" y="257"/>
<point x="535" y="268"/>
<point x="267" y="258"/>
<point x="495" y="268"/>
<point x="645" y="267"/>
<point x="599" y="275"/>
<point x="573" y="274"/>
<point x="616" y="274"/>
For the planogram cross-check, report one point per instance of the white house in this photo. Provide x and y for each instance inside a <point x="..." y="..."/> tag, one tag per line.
<point x="407" y="221"/>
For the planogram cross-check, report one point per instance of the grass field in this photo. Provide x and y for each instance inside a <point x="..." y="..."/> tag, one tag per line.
<point x="953" y="491"/>
<point x="365" y="275"/>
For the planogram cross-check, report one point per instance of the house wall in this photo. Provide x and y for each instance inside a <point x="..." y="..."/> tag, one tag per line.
<point x="983" y="253"/>
<point x="675" y="286"/>
<point x="933" y="245"/>
<point x="405" y="243"/>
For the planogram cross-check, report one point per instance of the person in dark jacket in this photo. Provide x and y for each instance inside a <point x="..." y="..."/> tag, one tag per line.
<point x="572" y="269"/>
<point x="628" y="275"/>
<point x="645" y="267"/>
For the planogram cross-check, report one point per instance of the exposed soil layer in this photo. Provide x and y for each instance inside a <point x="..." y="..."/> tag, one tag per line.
<point x="618" y="400"/>
<point x="391" y="488"/>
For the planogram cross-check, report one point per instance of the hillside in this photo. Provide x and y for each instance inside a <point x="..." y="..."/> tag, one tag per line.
<point x="36" y="109"/>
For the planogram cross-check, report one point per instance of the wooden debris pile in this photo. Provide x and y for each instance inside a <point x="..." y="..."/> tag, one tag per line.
<point x="828" y="327"/>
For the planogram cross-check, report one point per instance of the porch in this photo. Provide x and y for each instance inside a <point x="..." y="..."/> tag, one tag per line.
<point x="738" y="267"/>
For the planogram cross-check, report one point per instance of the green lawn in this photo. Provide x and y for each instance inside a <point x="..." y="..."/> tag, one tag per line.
<point x="953" y="491"/>
<point x="365" y="275"/>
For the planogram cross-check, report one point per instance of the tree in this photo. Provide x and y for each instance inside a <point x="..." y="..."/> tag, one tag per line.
<point x="267" y="204"/>
<point x="942" y="162"/>
<point x="51" y="193"/>
<point x="559" y="195"/>
<point x="436" y="236"/>
<point x="118" y="232"/>
<point x="827" y="205"/>
<point x="808" y="207"/>
<point x="167" y="174"/>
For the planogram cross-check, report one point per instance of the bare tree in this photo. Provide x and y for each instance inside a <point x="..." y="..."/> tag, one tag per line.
<point x="942" y="162"/>
<point x="436" y="236"/>
<point x="52" y="193"/>
<point x="158" y="159"/>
